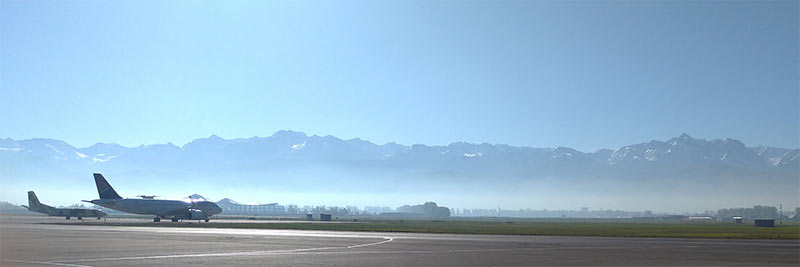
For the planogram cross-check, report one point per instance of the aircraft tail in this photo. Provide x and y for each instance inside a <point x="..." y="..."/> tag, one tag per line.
<point x="104" y="189"/>
<point x="33" y="201"/>
<point x="35" y="205"/>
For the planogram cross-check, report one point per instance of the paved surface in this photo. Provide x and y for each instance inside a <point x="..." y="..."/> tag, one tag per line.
<point x="5" y="218"/>
<point x="23" y="243"/>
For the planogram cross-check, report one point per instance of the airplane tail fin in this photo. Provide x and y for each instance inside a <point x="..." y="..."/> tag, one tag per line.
<point x="36" y="206"/>
<point x="104" y="189"/>
<point x="33" y="201"/>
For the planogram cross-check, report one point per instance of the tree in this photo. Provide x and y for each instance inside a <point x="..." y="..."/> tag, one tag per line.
<point x="797" y="214"/>
<point x="428" y="209"/>
<point x="749" y="213"/>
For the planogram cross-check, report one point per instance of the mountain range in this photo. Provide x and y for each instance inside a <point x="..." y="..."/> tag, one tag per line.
<point x="290" y="159"/>
<point x="679" y="152"/>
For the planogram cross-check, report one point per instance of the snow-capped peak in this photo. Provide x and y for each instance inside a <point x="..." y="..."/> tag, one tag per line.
<point x="296" y="147"/>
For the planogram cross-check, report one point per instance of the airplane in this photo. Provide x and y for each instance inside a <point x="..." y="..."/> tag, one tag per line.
<point x="36" y="206"/>
<point x="174" y="209"/>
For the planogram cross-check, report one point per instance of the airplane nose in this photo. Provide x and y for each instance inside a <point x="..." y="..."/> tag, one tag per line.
<point x="217" y="209"/>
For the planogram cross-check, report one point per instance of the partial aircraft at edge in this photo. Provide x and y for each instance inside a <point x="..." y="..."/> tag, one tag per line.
<point x="36" y="206"/>
<point x="174" y="209"/>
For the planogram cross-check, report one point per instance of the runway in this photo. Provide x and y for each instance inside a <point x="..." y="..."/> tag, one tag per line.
<point x="31" y="244"/>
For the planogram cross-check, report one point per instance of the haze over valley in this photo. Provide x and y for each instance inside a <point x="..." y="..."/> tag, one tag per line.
<point x="681" y="174"/>
<point x="400" y="133"/>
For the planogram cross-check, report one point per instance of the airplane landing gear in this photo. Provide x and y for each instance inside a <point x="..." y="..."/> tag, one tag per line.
<point x="68" y="217"/>
<point x="175" y="219"/>
<point x="156" y="219"/>
<point x="206" y="220"/>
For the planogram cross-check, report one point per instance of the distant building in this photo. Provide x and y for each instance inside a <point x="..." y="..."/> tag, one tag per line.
<point x="232" y="207"/>
<point x="377" y="210"/>
<point x="737" y="219"/>
<point x="324" y="217"/>
<point x="764" y="222"/>
<point x="673" y="217"/>
<point x="698" y="219"/>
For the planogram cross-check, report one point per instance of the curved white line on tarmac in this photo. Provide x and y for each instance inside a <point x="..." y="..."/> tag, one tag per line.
<point x="225" y="231"/>
<point x="388" y="239"/>
<point x="224" y="254"/>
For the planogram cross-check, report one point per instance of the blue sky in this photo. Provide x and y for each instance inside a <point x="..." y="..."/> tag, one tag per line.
<point x="587" y="75"/>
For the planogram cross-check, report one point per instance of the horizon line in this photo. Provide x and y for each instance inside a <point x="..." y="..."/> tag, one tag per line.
<point x="387" y="143"/>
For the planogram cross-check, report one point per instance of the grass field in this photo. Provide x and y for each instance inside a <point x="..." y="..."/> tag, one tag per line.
<point x="574" y="227"/>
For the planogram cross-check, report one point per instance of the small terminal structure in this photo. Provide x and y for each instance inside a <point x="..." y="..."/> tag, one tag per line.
<point x="232" y="207"/>
<point x="700" y="219"/>
<point x="737" y="219"/>
<point x="764" y="222"/>
<point x="324" y="217"/>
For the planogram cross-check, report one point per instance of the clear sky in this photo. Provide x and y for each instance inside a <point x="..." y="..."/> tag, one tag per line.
<point x="584" y="74"/>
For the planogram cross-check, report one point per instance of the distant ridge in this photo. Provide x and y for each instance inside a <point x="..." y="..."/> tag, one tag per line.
<point x="286" y="144"/>
<point x="678" y="172"/>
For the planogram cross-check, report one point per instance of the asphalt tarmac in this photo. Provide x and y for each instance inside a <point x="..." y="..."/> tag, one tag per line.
<point x="27" y="243"/>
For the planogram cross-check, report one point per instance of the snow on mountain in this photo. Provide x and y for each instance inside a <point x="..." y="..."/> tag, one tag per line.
<point x="772" y="154"/>
<point x="102" y="152"/>
<point x="291" y="146"/>
<point x="40" y="148"/>
<point x="721" y="169"/>
<point x="790" y="159"/>
<point x="686" y="150"/>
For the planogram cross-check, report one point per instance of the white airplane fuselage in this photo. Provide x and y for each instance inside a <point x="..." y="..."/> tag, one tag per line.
<point x="161" y="208"/>
<point x="175" y="209"/>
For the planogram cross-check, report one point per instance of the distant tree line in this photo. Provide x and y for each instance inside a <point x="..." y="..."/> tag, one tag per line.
<point x="335" y="211"/>
<point x="797" y="214"/>
<point x="749" y="213"/>
<point x="427" y="209"/>
<point x="530" y="213"/>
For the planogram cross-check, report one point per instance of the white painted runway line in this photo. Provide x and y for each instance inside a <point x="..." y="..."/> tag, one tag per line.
<point x="260" y="232"/>
<point x="216" y="231"/>
<point x="538" y="244"/>
<point x="225" y="254"/>
<point x="322" y="250"/>
<point x="45" y="263"/>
